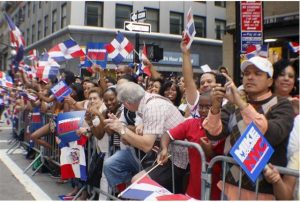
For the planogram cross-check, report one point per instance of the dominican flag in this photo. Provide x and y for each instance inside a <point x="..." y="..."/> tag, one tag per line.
<point x="36" y="119"/>
<point x="257" y="50"/>
<point x="32" y="55"/>
<point x="72" y="160"/>
<point x="5" y="80"/>
<point x="190" y="30"/>
<point x="61" y="90"/>
<point x="142" y="68"/>
<point x="145" y="189"/>
<point x="97" y="53"/>
<point x="119" y="48"/>
<point x="66" y="50"/>
<point x="294" y="46"/>
<point x="67" y="124"/>
<point x="47" y="68"/>
<point x="16" y="38"/>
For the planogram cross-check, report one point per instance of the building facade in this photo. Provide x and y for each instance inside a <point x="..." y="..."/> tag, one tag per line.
<point x="45" y="23"/>
<point x="281" y="25"/>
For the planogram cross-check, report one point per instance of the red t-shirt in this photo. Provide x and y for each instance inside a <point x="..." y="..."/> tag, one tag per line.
<point x="192" y="131"/>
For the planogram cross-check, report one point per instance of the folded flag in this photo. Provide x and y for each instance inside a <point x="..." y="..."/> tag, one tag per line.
<point x="119" y="48"/>
<point x="294" y="46"/>
<point x="61" y="90"/>
<point x="72" y="160"/>
<point x="67" y="124"/>
<point x="145" y="189"/>
<point x="96" y="53"/>
<point x="66" y="50"/>
<point x="190" y="30"/>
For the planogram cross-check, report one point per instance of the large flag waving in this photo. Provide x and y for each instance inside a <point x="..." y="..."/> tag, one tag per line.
<point x="47" y="68"/>
<point x="119" y="48"/>
<point x="66" y="50"/>
<point x="190" y="30"/>
<point x="97" y="53"/>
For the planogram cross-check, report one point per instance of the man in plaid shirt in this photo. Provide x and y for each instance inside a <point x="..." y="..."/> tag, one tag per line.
<point x="158" y="115"/>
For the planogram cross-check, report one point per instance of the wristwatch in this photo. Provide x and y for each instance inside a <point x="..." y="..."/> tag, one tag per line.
<point x="123" y="130"/>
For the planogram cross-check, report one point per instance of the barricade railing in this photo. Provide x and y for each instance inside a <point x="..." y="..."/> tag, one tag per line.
<point x="229" y="160"/>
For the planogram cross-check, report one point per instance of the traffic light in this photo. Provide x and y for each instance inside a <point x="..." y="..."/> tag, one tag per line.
<point x="154" y="52"/>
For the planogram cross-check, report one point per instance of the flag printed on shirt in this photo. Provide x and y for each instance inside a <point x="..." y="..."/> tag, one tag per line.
<point x="190" y="30"/>
<point x="72" y="160"/>
<point x="61" y="90"/>
<point x="145" y="189"/>
<point x="119" y="48"/>
<point x="97" y="53"/>
<point x="294" y="46"/>
<point x="67" y="124"/>
<point x="257" y="50"/>
<point x="66" y="50"/>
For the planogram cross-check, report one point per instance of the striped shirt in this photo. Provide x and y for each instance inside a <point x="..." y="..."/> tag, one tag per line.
<point x="159" y="115"/>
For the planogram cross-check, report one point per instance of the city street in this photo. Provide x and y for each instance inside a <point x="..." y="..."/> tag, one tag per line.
<point x="14" y="185"/>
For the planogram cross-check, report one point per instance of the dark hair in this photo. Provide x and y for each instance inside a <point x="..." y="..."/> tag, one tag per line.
<point x="79" y="91"/>
<point x="129" y="77"/>
<point x="112" y="89"/>
<point x="111" y="80"/>
<point x="167" y="85"/>
<point x="96" y="90"/>
<point x="279" y="67"/>
<point x="69" y="77"/>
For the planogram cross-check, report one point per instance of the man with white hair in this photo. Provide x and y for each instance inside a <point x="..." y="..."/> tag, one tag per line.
<point x="271" y="114"/>
<point x="158" y="115"/>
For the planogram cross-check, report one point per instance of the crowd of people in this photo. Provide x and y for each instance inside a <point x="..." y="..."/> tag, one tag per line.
<point x="132" y="119"/>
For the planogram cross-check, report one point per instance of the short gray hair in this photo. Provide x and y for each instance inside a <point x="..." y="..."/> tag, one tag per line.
<point x="130" y="92"/>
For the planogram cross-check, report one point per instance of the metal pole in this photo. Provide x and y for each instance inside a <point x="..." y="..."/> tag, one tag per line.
<point x="237" y="46"/>
<point x="136" y="58"/>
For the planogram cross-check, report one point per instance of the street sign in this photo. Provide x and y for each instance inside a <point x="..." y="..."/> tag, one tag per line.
<point x="137" y="27"/>
<point x="138" y="15"/>
<point x="251" y="24"/>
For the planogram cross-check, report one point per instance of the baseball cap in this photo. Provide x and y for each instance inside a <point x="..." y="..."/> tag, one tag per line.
<point x="261" y="63"/>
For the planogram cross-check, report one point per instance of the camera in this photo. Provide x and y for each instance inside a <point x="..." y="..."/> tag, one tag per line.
<point x="221" y="79"/>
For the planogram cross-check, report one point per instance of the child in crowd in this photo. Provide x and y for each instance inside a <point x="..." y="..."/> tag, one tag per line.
<point x="192" y="130"/>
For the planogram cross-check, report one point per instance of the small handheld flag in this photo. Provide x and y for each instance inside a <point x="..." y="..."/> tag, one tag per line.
<point x="190" y="30"/>
<point x="61" y="90"/>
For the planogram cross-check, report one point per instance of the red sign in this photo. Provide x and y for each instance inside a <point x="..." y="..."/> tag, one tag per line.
<point x="251" y="16"/>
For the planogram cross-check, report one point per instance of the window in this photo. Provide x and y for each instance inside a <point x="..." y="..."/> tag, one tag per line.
<point x="63" y="21"/>
<point x="220" y="3"/>
<point x="176" y="23"/>
<point x="39" y="31"/>
<point x="27" y="36"/>
<point x="40" y="4"/>
<point x="54" y="23"/>
<point x="200" y="26"/>
<point x="28" y="9"/>
<point x="122" y="14"/>
<point x="33" y="34"/>
<point x="153" y="19"/>
<point x="220" y="28"/>
<point x="46" y="22"/>
<point x="94" y="14"/>
<point x="33" y="7"/>
<point x="204" y="2"/>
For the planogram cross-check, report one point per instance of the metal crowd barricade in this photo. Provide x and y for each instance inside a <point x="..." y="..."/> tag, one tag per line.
<point x="203" y="163"/>
<point x="229" y="160"/>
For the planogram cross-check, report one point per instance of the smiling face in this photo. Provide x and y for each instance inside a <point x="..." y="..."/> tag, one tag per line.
<point x="284" y="83"/>
<point x="110" y="101"/>
<point x="206" y="81"/>
<point x="256" y="82"/>
<point x="171" y="93"/>
<point x="156" y="87"/>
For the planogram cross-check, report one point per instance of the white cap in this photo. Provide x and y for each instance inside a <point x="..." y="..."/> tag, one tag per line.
<point x="261" y="63"/>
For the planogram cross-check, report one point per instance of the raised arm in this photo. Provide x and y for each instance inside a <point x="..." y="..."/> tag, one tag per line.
<point x="187" y="70"/>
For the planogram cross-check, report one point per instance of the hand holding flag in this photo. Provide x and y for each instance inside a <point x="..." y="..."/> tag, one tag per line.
<point x="190" y="30"/>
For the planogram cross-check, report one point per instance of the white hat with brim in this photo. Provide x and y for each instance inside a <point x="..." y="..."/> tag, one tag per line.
<point x="261" y="63"/>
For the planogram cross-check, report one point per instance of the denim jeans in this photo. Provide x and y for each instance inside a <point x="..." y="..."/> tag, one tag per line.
<point x="121" y="167"/>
